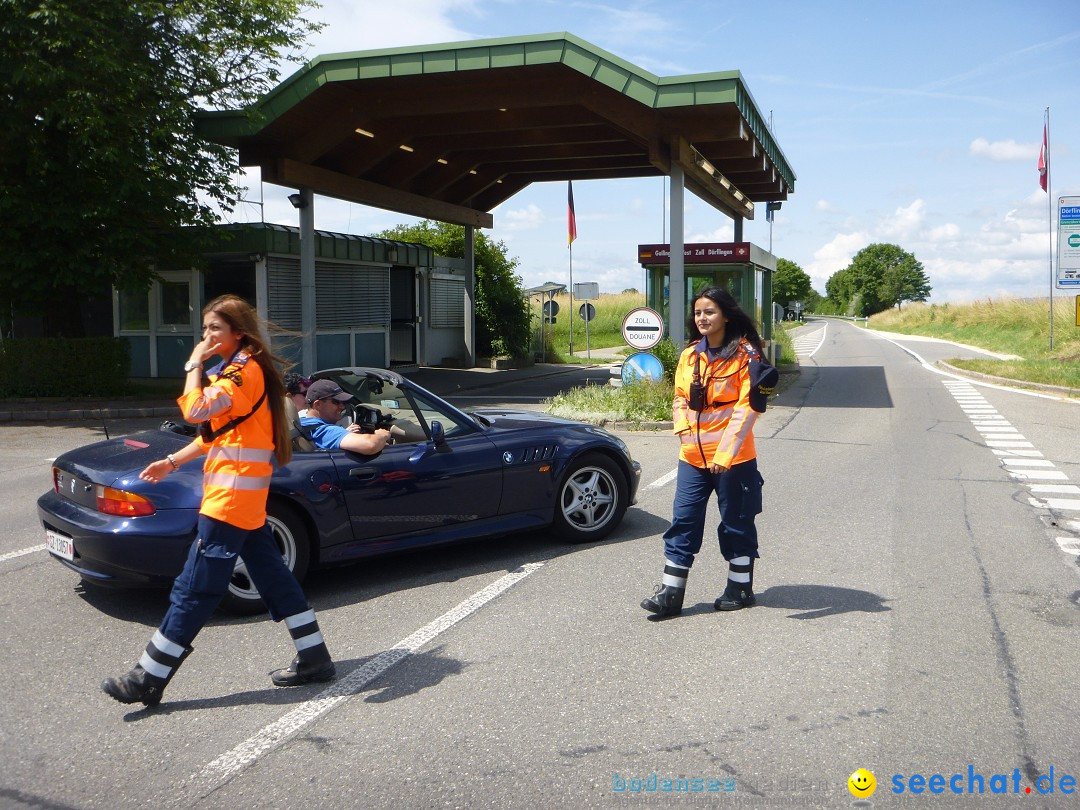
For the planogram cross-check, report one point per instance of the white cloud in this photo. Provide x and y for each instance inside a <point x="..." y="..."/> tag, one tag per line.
<point x="905" y="222"/>
<point x="522" y="219"/>
<point x="824" y="206"/>
<point x="1004" y="150"/>
<point x="835" y="255"/>
<point x="367" y="26"/>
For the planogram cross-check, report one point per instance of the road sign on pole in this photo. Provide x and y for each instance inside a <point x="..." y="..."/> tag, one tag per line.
<point x="643" y="328"/>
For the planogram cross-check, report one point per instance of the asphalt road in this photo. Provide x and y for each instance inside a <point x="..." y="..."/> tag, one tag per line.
<point x="918" y="614"/>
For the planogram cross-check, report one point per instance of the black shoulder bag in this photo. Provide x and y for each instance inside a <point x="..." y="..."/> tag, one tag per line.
<point x="208" y="435"/>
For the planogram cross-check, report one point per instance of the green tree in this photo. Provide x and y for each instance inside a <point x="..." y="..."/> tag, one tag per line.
<point x="502" y="307"/>
<point x="879" y="277"/>
<point x="904" y="280"/>
<point x="102" y="173"/>
<point x="790" y="283"/>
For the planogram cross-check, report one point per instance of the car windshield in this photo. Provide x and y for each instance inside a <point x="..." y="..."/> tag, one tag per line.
<point x="384" y="402"/>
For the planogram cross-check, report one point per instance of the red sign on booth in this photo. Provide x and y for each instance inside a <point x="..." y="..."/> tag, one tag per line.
<point x="700" y="253"/>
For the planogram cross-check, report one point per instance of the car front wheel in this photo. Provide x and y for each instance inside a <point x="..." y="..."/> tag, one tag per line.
<point x="593" y="497"/>
<point x="291" y="538"/>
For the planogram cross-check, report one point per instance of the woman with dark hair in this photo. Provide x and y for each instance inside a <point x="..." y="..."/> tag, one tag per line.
<point x="242" y="430"/>
<point x="714" y="413"/>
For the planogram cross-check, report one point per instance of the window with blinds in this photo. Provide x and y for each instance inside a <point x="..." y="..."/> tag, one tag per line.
<point x="346" y="296"/>
<point x="447" y="301"/>
<point x="283" y="291"/>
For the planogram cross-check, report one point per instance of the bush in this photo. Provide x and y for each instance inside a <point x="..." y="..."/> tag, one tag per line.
<point x="64" y="367"/>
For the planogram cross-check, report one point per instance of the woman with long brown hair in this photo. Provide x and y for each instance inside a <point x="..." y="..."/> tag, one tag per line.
<point x="720" y="388"/>
<point x="242" y="430"/>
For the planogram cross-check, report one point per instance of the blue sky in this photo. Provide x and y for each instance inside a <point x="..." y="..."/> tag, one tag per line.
<point x="916" y="123"/>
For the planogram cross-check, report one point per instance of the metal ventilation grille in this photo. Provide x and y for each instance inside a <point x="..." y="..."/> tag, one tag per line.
<point x="531" y="454"/>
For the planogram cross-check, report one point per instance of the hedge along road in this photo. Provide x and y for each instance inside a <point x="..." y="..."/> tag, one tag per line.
<point x="915" y="616"/>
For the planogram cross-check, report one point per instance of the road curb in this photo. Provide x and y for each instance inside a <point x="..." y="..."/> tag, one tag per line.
<point x="963" y="372"/>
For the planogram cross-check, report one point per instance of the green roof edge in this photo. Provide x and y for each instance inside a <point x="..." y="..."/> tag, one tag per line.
<point x="237" y="123"/>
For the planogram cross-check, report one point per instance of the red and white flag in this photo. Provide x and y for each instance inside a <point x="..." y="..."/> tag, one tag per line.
<point x="1043" y="167"/>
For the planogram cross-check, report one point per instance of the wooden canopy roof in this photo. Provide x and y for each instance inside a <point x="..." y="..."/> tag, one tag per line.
<point x="450" y="131"/>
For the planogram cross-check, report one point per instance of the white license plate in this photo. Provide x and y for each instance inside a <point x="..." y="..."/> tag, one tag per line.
<point x="59" y="545"/>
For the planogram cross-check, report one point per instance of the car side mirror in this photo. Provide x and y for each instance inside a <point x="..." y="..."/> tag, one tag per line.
<point x="438" y="435"/>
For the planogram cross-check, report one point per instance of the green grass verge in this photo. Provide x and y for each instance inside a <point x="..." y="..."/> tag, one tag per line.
<point x="1007" y="326"/>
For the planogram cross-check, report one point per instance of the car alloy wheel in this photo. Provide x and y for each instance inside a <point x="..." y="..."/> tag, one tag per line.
<point x="291" y="538"/>
<point x="592" y="499"/>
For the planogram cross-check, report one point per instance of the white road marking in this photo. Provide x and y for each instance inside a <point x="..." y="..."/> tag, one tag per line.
<point x="663" y="479"/>
<point x="1070" y="545"/>
<point x="1057" y="489"/>
<point x="998" y="435"/>
<point x="803" y="342"/>
<point x="11" y="555"/>
<point x="232" y="762"/>
<point x="958" y="381"/>
<point x="1065" y="504"/>
<point x="1054" y="475"/>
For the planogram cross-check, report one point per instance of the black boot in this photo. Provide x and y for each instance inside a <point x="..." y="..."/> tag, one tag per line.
<point x="667" y="599"/>
<point x="312" y="661"/>
<point x="140" y="686"/>
<point x="739" y="593"/>
<point x="307" y="669"/>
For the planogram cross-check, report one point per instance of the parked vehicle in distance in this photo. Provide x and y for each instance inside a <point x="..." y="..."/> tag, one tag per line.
<point x="449" y="475"/>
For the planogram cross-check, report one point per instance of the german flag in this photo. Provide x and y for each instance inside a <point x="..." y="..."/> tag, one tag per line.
<point x="571" y="218"/>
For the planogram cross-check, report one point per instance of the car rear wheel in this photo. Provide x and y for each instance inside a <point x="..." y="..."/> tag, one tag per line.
<point x="592" y="499"/>
<point x="292" y="540"/>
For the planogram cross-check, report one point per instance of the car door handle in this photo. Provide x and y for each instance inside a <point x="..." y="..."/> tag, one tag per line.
<point x="364" y="473"/>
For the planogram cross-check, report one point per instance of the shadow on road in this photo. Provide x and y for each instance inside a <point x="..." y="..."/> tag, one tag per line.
<point x="819" y="601"/>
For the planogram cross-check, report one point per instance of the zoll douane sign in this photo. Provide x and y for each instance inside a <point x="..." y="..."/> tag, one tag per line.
<point x="643" y="328"/>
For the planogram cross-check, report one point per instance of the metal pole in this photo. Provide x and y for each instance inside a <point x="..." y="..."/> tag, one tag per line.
<point x="571" y="312"/>
<point x="588" y="346"/>
<point x="308" y="322"/>
<point x="1050" y="219"/>
<point x="677" y="267"/>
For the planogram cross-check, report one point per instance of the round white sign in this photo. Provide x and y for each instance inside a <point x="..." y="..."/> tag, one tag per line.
<point x="643" y="328"/>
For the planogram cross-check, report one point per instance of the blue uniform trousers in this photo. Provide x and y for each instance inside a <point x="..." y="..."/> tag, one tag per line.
<point x="738" y="494"/>
<point x="199" y="588"/>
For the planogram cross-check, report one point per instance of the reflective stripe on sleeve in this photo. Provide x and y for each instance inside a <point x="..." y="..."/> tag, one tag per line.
<point x="239" y="454"/>
<point x="213" y="401"/>
<point x="243" y="482"/>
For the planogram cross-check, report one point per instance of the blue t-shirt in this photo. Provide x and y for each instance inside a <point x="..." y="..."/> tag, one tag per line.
<point x="324" y="435"/>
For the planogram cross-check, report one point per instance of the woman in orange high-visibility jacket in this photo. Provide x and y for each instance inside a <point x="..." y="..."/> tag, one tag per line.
<point x="714" y="421"/>
<point x="243" y="430"/>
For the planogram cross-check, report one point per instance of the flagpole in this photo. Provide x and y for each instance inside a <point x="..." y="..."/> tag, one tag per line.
<point x="570" y="314"/>
<point x="1050" y="222"/>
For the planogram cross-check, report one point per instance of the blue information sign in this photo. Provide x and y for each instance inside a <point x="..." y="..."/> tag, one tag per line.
<point x="642" y="366"/>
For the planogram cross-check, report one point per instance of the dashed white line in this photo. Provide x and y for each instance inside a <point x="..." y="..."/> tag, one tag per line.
<point x="232" y="762"/>
<point x="13" y="554"/>
<point x="663" y="479"/>
<point x="1006" y="442"/>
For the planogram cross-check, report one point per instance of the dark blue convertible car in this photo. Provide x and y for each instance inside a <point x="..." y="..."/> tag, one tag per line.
<point x="449" y="475"/>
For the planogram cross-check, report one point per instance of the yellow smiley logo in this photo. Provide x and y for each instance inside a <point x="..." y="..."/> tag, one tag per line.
<point x="862" y="784"/>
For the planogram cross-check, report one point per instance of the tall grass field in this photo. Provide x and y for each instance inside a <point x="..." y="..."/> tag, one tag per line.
<point x="1016" y="326"/>
<point x="604" y="330"/>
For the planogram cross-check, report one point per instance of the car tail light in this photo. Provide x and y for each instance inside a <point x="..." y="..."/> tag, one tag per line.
<point x="125" y="504"/>
<point x="56" y="479"/>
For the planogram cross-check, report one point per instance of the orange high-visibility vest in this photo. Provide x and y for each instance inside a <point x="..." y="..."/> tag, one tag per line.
<point x="723" y="433"/>
<point x="239" y="462"/>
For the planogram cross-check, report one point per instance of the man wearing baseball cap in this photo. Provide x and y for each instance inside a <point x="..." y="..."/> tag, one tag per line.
<point x="325" y="401"/>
